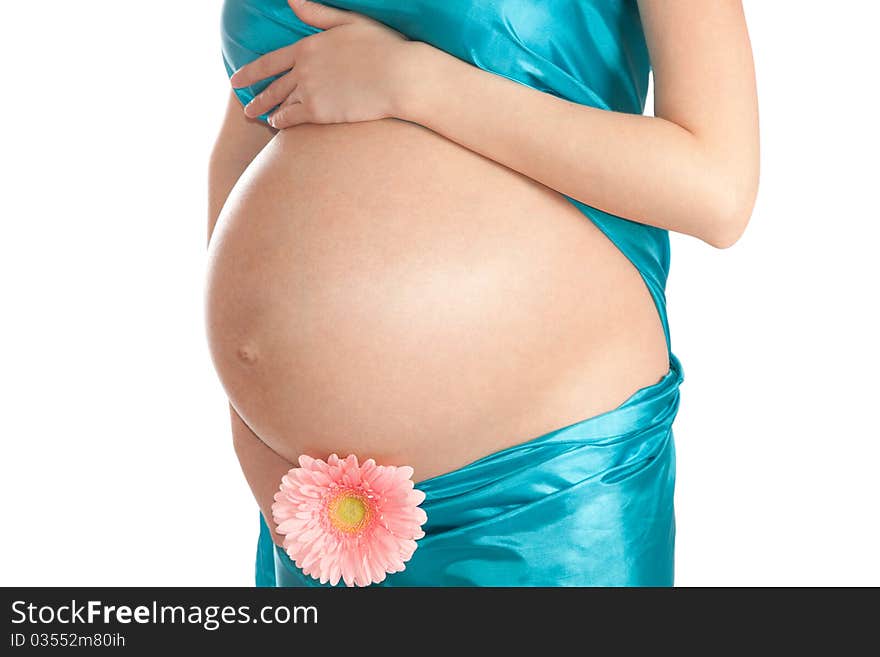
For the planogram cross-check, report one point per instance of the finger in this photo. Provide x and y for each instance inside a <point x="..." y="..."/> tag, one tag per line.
<point x="320" y="16"/>
<point x="273" y="95"/>
<point x="289" y="115"/>
<point x="264" y="67"/>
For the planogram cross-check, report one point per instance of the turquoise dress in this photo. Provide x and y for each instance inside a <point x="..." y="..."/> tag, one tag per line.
<point x="589" y="504"/>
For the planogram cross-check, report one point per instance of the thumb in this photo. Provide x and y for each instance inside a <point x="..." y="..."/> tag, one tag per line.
<point x="318" y="15"/>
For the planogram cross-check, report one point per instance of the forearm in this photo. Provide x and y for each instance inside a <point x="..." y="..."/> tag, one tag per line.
<point x="643" y="168"/>
<point x="262" y="467"/>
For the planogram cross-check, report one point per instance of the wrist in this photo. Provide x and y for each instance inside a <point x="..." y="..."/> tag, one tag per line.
<point x="417" y="73"/>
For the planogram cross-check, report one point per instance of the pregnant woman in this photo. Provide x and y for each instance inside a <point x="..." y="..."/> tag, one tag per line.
<point x="439" y="240"/>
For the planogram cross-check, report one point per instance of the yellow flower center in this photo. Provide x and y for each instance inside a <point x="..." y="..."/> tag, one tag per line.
<point x="348" y="512"/>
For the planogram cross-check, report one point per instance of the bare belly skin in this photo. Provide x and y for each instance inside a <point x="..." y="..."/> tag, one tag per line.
<point x="376" y="289"/>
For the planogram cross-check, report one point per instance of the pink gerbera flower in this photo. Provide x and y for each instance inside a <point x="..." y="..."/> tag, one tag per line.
<point x="341" y="519"/>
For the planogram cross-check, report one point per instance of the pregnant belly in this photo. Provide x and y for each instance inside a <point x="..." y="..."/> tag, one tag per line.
<point x="376" y="289"/>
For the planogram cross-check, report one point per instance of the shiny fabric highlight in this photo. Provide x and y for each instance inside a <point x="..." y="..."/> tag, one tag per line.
<point x="588" y="504"/>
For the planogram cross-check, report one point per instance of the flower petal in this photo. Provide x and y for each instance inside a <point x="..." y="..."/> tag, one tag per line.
<point x="404" y="472"/>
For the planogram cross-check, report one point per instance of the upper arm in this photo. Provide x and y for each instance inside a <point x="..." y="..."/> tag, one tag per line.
<point x="240" y="140"/>
<point x="704" y="81"/>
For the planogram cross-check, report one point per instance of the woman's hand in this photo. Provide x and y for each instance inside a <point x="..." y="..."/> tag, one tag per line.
<point x="349" y="72"/>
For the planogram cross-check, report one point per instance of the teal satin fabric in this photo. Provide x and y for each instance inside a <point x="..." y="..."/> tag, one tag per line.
<point x="588" y="504"/>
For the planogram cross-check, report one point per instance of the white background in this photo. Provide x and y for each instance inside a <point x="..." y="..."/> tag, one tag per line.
<point x="117" y="466"/>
